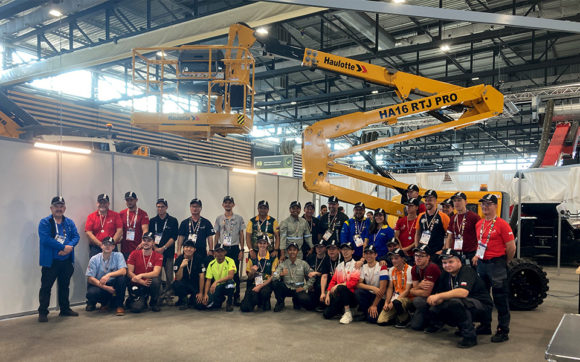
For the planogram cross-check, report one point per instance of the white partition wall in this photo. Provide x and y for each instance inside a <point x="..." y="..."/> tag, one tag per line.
<point x="288" y="193"/>
<point x="137" y="174"/>
<point x="242" y="188"/>
<point x="212" y="186"/>
<point x="267" y="189"/>
<point x="177" y="186"/>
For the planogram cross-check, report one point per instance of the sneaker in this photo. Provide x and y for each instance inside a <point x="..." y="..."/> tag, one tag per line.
<point x="120" y="311"/>
<point x="402" y="324"/>
<point x="104" y="309"/>
<point x="229" y="308"/>
<point x="279" y="307"/>
<point x="155" y="308"/>
<point x="500" y="336"/>
<point x="90" y="307"/>
<point x="42" y="318"/>
<point x="467" y="342"/>
<point x="432" y="329"/>
<point x="483" y="329"/>
<point x="68" y="313"/>
<point x="346" y="317"/>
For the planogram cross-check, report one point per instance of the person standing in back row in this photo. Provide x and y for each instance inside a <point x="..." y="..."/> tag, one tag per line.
<point x="431" y="225"/>
<point x="461" y="235"/>
<point x="198" y="229"/>
<point x="331" y="222"/>
<point x="101" y="224"/>
<point x="164" y="227"/>
<point x="135" y="224"/>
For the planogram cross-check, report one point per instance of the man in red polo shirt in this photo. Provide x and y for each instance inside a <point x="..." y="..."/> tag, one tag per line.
<point x="461" y="234"/>
<point x="143" y="271"/>
<point x="495" y="248"/>
<point x="406" y="227"/>
<point x="135" y="224"/>
<point x="101" y="224"/>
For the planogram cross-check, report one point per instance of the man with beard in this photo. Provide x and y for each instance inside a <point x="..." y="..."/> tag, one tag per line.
<point x="143" y="270"/>
<point x="356" y="230"/>
<point x="135" y="224"/>
<point x="101" y="224"/>
<point x="294" y="229"/>
<point x="263" y="225"/>
<point x="431" y="225"/>
<point x="331" y="223"/>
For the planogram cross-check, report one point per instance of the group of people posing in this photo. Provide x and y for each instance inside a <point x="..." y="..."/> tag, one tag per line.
<point x="434" y="268"/>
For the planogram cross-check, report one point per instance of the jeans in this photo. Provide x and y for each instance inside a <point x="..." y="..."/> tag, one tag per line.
<point x="61" y="270"/>
<point x="168" y="270"/>
<point x="98" y="295"/>
<point x="494" y="274"/>
<point x="420" y="318"/>
<point x="341" y="297"/>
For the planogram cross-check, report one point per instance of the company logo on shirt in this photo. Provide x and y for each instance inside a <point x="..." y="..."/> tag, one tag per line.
<point x="463" y="284"/>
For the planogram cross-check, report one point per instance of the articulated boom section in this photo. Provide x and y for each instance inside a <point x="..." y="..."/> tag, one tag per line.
<point x="479" y="102"/>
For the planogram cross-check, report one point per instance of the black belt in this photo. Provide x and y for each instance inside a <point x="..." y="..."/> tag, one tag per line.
<point x="493" y="260"/>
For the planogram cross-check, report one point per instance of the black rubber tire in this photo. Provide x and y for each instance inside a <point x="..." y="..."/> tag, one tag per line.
<point x="528" y="284"/>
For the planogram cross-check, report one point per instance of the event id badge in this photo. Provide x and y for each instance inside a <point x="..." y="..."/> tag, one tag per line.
<point x="193" y="237"/>
<point x="157" y="239"/>
<point x="358" y="241"/>
<point x="425" y="236"/>
<point x="327" y="235"/>
<point x="130" y="235"/>
<point x="259" y="280"/>
<point x="480" y="251"/>
<point x="227" y="240"/>
<point x="61" y="239"/>
<point x="458" y="243"/>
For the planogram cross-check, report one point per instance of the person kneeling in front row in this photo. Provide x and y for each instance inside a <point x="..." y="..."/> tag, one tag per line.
<point x="398" y="300"/>
<point x="291" y="280"/>
<point x="189" y="278"/>
<point x="221" y="270"/>
<point x="143" y="270"/>
<point x="340" y="293"/>
<point x="461" y="299"/>
<point x="259" y="285"/>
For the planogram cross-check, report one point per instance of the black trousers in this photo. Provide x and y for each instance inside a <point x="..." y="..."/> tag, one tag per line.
<point x="233" y="252"/>
<point x="460" y="312"/>
<point x="252" y="299"/>
<point x="219" y="296"/>
<point x="61" y="270"/>
<point x="342" y="297"/>
<point x="151" y="292"/>
<point x="494" y="274"/>
<point x="420" y="319"/>
<point x="314" y="294"/>
<point x="301" y="299"/>
<point x="98" y="295"/>
<point x="365" y="299"/>
<point x="184" y="290"/>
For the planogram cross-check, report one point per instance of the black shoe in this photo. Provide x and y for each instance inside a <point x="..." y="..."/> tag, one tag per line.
<point x="90" y="307"/>
<point x="359" y="317"/>
<point x="278" y="307"/>
<point x="183" y="306"/>
<point x="296" y="306"/>
<point x="483" y="329"/>
<point x="403" y="324"/>
<point x="319" y="309"/>
<point x="432" y="329"/>
<point x="68" y="313"/>
<point x="180" y="302"/>
<point x="500" y="336"/>
<point x="467" y="342"/>
<point x="229" y="308"/>
<point x="155" y="308"/>
<point x="237" y="302"/>
<point x="267" y="306"/>
<point x="42" y="318"/>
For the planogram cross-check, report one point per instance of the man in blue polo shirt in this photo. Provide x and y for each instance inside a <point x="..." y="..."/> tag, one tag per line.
<point x="58" y="236"/>
<point x="356" y="230"/>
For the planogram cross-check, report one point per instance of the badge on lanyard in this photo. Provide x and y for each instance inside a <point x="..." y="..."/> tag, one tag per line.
<point x="481" y="250"/>
<point x="130" y="235"/>
<point x="193" y="237"/>
<point x="227" y="240"/>
<point x="327" y="235"/>
<point x="158" y="238"/>
<point x="425" y="236"/>
<point x="458" y="243"/>
<point x="259" y="280"/>
<point x="61" y="239"/>
<point x="358" y="241"/>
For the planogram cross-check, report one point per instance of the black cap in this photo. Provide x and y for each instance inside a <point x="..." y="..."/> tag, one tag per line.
<point x="412" y="187"/>
<point x="413" y="201"/>
<point x="196" y="201"/>
<point x="57" y="200"/>
<point x="332" y="244"/>
<point x="130" y="195"/>
<point x="423" y="249"/>
<point x="263" y="203"/>
<point x="262" y="238"/>
<point x="333" y="200"/>
<point x="459" y="194"/>
<point x="161" y="201"/>
<point x="309" y="204"/>
<point x="108" y="240"/>
<point x="348" y="245"/>
<point x="189" y="242"/>
<point x="370" y="249"/>
<point x="229" y="198"/>
<point x="429" y="193"/>
<point x="393" y="241"/>
<point x="398" y="252"/>
<point x="292" y="245"/>
<point x="446" y="202"/>
<point x="103" y="197"/>
<point x="295" y="203"/>
<point x="450" y="253"/>
<point x="360" y="204"/>
<point x="380" y="211"/>
<point x="320" y="243"/>
<point x="219" y="246"/>
<point x="148" y="235"/>
<point x="489" y="198"/>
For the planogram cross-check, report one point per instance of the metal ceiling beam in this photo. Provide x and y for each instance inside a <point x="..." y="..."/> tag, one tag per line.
<point x="16" y="7"/>
<point x="214" y="25"/>
<point x="440" y="13"/>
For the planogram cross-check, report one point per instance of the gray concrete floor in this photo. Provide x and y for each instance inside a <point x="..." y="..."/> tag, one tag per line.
<point x="290" y="335"/>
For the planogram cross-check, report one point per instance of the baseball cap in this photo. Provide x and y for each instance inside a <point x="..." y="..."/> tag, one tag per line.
<point x="347" y="245"/>
<point x="308" y="204"/>
<point x="219" y="246"/>
<point x="263" y="203"/>
<point x="398" y="252"/>
<point x="262" y="239"/>
<point x="370" y="249"/>
<point x="432" y="193"/>
<point x="413" y="201"/>
<point x="196" y="201"/>
<point x="489" y="198"/>
<point x="459" y="194"/>
<point x="412" y="187"/>
<point x="332" y="244"/>
<point x="292" y="245"/>
<point x="148" y="235"/>
<point x="189" y="242"/>
<point x="360" y="204"/>
<point x="423" y="249"/>
<point x="57" y="200"/>
<point x="103" y="197"/>
<point x="446" y="202"/>
<point x="393" y="241"/>
<point x="161" y="201"/>
<point x="449" y="253"/>
<point x="380" y="211"/>
<point x="295" y="203"/>
<point x="229" y="198"/>
<point x="108" y="240"/>
<point x="320" y="243"/>
<point x="333" y="200"/>
<point x="130" y="195"/>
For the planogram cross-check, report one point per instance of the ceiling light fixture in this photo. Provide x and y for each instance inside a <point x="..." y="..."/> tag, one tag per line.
<point x="48" y="146"/>
<point x="293" y="103"/>
<point x="398" y="1"/>
<point x="262" y="31"/>
<point x="375" y="92"/>
<point x="55" y="12"/>
<point x="161" y="53"/>
<point x="444" y="48"/>
<point x="475" y="78"/>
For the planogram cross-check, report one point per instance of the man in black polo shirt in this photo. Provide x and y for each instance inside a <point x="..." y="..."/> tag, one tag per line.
<point x="198" y="229"/>
<point x="189" y="278"/>
<point x="165" y="228"/>
<point x="461" y="299"/>
<point x="331" y="222"/>
<point x="320" y="264"/>
<point x="431" y="225"/>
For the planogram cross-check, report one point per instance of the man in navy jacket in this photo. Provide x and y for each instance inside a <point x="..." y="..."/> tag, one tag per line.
<point x="58" y="236"/>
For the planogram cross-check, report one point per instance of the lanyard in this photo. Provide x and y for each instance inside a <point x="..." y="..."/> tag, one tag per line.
<point x="134" y="219"/>
<point x="359" y="227"/>
<point x="462" y="228"/>
<point x="489" y="232"/>
<point x="148" y="261"/>
<point x="228" y="225"/>
<point x="451" y="284"/>
<point x="290" y="271"/>
<point x="403" y="276"/>
<point x="377" y="233"/>
<point x="410" y="226"/>
<point x="432" y="223"/>
<point x="318" y="265"/>
<point x="103" y="220"/>
<point x="189" y="267"/>
<point x="297" y="222"/>
<point x="63" y="228"/>
<point x="191" y="229"/>
<point x="164" y="226"/>
<point x="310" y="224"/>
<point x="267" y="221"/>
<point x="106" y="263"/>
<point x="332" y="222"/>
<point x="261" y="266"/>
